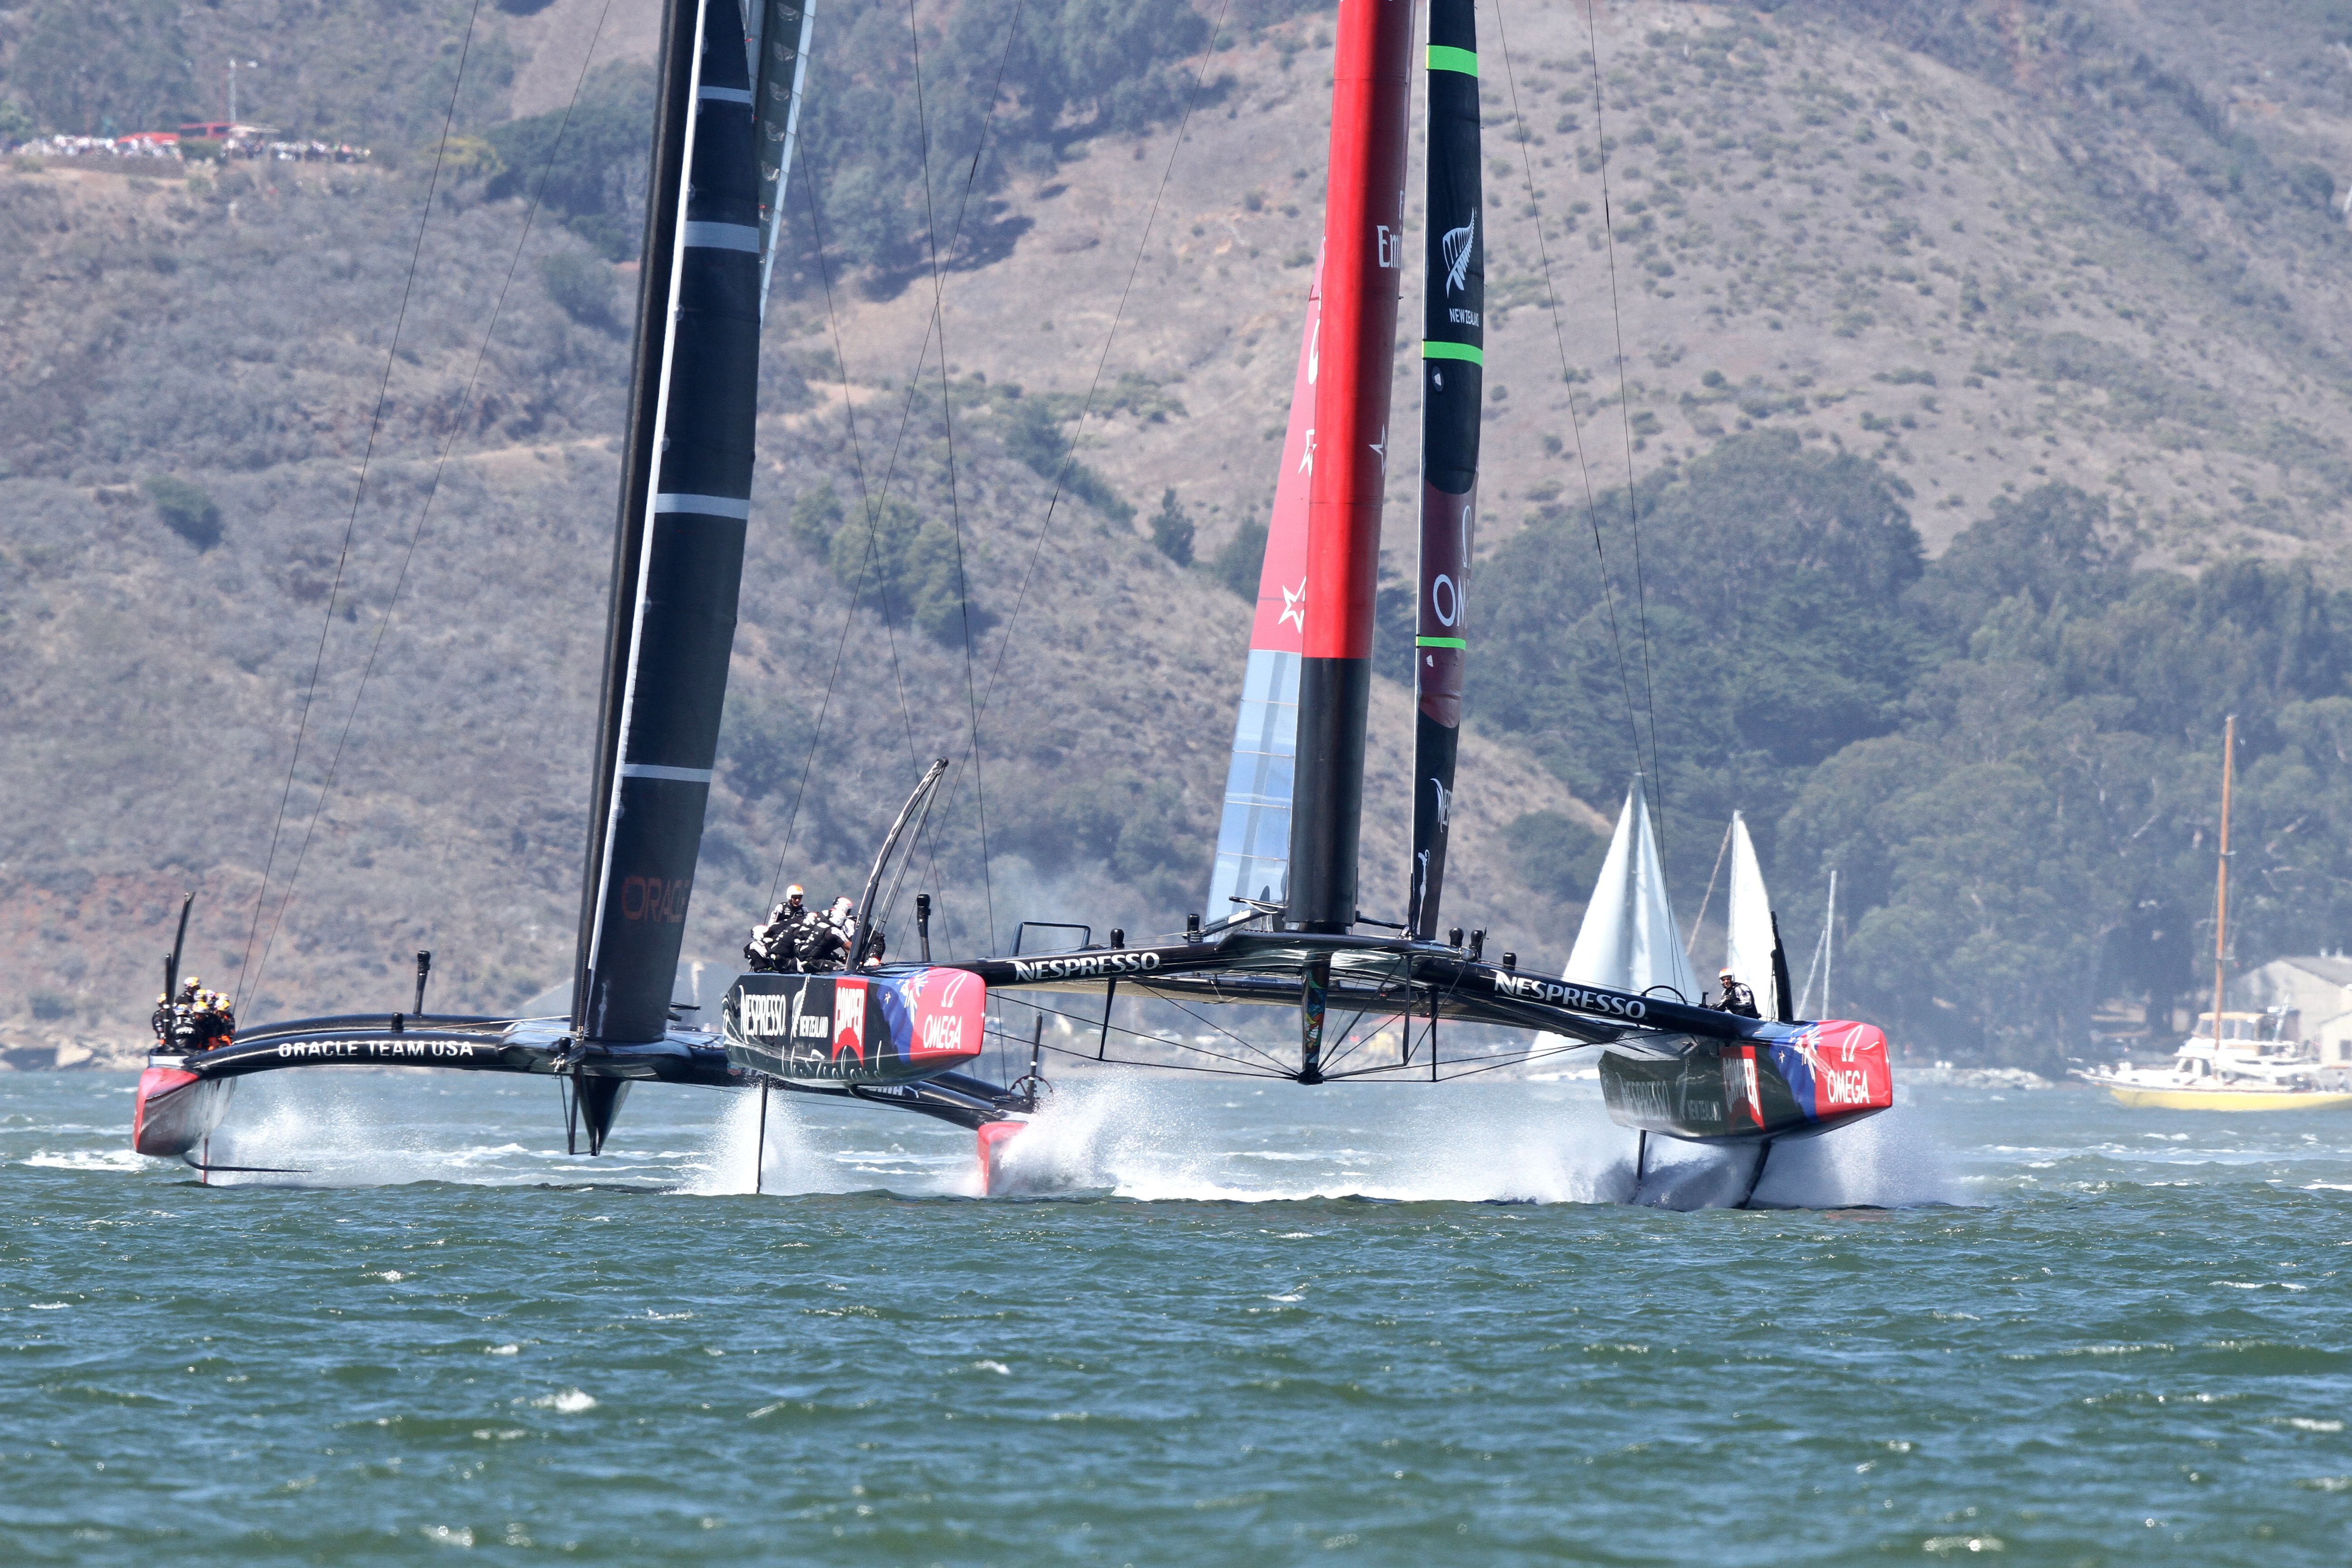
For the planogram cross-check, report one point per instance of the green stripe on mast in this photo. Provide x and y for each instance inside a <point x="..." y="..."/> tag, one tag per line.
<point x="1443" y="58"/>
<point x="1438" y="348"/>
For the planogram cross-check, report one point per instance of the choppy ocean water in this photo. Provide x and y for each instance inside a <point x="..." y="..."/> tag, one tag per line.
<point x="1372" y="1324"/>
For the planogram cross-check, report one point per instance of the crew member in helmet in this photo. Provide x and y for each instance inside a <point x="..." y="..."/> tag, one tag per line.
<point x="774" y="947"/>
<point x="216" y="1025"/>
<point x="167" y="1007"/>
<point x="1737" y="998"/>
<point x="179" y="1019"/>
<point x="826" y="941"/>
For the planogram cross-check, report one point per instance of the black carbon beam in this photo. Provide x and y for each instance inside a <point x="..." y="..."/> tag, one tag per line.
<point x="1327" y="815"/>
<point x="686" y="498"/>
<point x="1452" y="356"/>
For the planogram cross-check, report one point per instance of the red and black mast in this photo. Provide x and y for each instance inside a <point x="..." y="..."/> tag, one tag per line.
<point x="1363" y="238"/>
<point x="1453" y="352"/>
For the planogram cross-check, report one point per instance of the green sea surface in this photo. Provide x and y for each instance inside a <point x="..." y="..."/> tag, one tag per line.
<point x="1254" y="1325"/>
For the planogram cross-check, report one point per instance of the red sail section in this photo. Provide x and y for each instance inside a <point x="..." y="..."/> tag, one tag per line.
<point x="1363" y="260"/>
<point x="1281" y="623"/>
<point x="1364" y="230"/>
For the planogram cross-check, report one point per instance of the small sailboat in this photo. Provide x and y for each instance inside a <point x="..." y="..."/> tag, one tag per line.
<point x="1629" y="941"/>
<point x="1285" y="929"/>
<point x="2231" y="1061"/>
<point x="1751" y="947"/>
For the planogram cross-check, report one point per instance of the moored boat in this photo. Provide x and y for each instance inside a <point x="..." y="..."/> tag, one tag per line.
<point x="2231" y="1061"/>
<point x="2237" y="1062"/>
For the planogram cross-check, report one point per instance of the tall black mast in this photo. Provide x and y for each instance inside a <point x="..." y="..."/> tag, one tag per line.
<point x="686" y="487"/>
<point x="1454" y="334"/>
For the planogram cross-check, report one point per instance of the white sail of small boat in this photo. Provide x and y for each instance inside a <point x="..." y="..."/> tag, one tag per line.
<point x="1628" y="940"/>
<point x="1751" y="939"/>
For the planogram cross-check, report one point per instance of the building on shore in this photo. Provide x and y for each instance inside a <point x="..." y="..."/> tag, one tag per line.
<point x="2311" y="995"/>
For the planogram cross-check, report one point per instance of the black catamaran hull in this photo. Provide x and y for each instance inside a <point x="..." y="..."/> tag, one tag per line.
<point x="1686" y="1072"/>
<point x="889" y="1026"/>
<point x="181" y="1098"/>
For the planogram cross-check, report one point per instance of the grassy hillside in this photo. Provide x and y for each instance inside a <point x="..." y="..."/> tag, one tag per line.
<point x="1973" y="251"/>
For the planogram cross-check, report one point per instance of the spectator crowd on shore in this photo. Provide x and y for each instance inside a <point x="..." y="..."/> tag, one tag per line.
<point x="166" y="145"/>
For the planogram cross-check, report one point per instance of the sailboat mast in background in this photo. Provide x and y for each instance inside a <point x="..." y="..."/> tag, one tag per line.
<point x="1454" y="334"/>
<point x="1363" y="238"/>
<point x="2222" y="875"/>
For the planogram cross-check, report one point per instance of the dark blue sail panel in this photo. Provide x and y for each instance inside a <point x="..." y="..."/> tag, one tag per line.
<point x="684" y="504"/>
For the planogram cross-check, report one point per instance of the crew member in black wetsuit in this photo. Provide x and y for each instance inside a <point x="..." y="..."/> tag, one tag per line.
<point x="170" y="1009"/>
<point x="825" y="942"/>
<point x="774" y="947"/>
<point x="217" y="1022"/>
<point x="1737" y="998"/>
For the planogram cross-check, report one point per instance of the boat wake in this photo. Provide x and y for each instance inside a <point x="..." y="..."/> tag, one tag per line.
<point x="1132" y="1136"/>
<point x="360" y="1129"/>
<point x="1150" y="1140"/>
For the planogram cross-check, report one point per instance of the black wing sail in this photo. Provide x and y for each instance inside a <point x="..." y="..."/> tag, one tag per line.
<point x="685" y="501"/>
<point x="1452" y="356"/>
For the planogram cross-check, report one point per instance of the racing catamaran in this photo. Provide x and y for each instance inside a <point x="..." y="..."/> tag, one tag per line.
<point x="899" y="1033"/>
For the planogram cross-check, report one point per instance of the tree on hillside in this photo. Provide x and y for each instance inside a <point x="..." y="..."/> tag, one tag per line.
<point x="2039" y="836"/>
<point x="1770" y="589"/>
<point x="1032" y="77"/>
<point x="1171" y="530"/>
<point x="589" y="163"/>
<point x="2054" y="543"/>
<point x="105" y="68"/>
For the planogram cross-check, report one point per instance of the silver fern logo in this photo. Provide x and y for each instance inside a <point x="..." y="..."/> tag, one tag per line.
<point x="1455" y="243"/>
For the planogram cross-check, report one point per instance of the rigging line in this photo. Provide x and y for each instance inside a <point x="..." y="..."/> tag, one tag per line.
<point x="1575" y="426"/>
<point x="1524" y="1058"/>
<point x="1061" y="475"/>
<point x="1502" y="1062"/>
<point x="358" y="490"/>
<point x="1381" y="994"/>
<point x="1110" y="336"/>
<point x="1519" y="1056"/>
<point x="1278" y="1070"/>
<point x="1097" y="1024"/>
<point x="1122" y="1029"/>
<point x="947" y="422"/>
<point x="866" y="560"/>
<point x="1220" y="1028"/>
<point x="1253" y="1069"/>
<point x="1247" y="1071"/>
<point x="1470" y="1068"/>
<point x="867" y="500"/>
<point x="1348" y="1047"/>
<point x="432" y="489"/>
<point x="1625" y="411"/>
<point x="1700" y="918"/>
<point x="938" y="321"/>
<point x="858" y="458"/>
